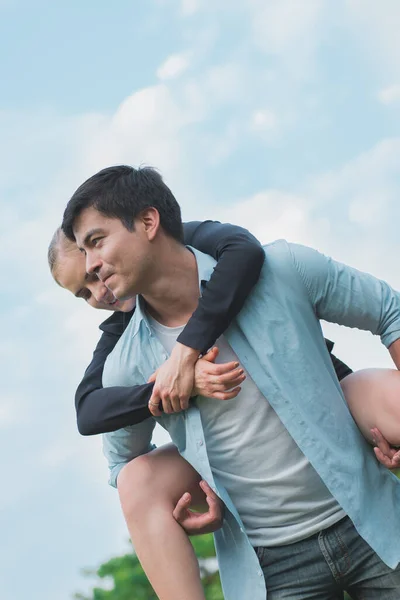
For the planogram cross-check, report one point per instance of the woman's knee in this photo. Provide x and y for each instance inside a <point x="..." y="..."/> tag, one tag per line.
<point x="158" y="478"/>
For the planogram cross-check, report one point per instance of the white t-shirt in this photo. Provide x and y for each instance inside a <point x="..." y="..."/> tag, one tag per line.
<point x="280" y="497"/>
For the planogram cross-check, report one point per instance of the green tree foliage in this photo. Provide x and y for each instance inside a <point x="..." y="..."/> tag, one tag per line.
<point x="122" y="578"/>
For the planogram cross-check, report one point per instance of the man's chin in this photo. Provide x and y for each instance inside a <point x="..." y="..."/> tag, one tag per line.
<point x="126" y="305"/>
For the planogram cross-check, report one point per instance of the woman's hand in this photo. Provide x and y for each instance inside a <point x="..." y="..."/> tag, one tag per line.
<point x="220" y="381"/>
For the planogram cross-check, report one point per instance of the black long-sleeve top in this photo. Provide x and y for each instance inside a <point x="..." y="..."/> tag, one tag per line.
<point x="240" y="259"/>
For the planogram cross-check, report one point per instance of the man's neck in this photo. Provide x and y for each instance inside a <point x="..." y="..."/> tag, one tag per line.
<point x="173" y="295"/>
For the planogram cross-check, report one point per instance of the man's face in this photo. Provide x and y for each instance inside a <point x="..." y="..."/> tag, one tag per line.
<point x="120" y="258"/>
<point x="71" y="274"/>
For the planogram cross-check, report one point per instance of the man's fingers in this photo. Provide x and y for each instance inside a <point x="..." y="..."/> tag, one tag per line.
<point x="167" y="406"/>
<point x="207" y="489"/>
<point x="180" y="511"/>
<point x="152" y="377"/>
<point x="382" y="443"/>
<point x="175" y="402"/>
<point x="154" y="404"/>
<point x="383" y="459"/>
<point x="184" y="403"/>
<point x="155" y="410"/>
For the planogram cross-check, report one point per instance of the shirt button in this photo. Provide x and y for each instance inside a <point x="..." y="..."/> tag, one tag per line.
<point x="165" y="356"/>
<point x="200" y="442"/>
<point x="260" y="573"/>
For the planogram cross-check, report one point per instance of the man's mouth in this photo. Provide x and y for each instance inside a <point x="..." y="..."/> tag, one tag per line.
<point x="103" y="277"/>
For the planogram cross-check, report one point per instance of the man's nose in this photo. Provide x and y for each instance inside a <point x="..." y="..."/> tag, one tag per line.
<point x="93" y="264"/>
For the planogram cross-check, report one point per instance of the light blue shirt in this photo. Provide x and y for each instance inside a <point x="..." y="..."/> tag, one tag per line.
<point x="278" y="339"/>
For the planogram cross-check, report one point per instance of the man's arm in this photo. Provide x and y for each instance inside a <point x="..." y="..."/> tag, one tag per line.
<point x="341" y="294"/>
<point x="394" y="350"/>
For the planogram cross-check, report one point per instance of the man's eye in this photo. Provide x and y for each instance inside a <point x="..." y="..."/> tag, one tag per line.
<point x="95" y="241"/>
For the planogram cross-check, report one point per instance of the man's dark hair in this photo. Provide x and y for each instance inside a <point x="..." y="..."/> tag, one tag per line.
<point x="122" y="192"/>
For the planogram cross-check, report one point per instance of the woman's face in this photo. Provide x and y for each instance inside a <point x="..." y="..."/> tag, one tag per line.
<point x="70" y="273"/>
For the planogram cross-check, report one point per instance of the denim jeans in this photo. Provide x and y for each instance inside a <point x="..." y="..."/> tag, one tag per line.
<point x="324" y="566"/>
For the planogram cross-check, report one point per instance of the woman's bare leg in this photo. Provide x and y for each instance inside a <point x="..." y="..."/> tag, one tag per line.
<point x="373" y="397"/>
<point x="149" y="488"/>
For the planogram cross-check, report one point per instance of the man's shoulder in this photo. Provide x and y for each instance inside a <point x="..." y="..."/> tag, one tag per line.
<point x="278" y="254"/>
<point x="280" y="246"/>
<point x="291" y="253"/>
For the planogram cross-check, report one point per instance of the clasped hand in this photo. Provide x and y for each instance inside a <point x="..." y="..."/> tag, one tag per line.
<point x="384" y="452"/>
<point x="184" y="375"/>
<point x="198" y="523"/>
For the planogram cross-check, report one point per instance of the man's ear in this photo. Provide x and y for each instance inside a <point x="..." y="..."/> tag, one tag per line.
<point x="150" y="219"/>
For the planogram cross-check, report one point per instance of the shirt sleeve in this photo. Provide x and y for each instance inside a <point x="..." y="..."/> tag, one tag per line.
<point x="240" y="259"/>
<point x="123" y="445"/>
<point x="341" y="294"/>
<point x="99" y="409"/>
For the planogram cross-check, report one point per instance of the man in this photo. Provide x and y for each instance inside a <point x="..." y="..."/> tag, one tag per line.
<point x="299" y="482"/>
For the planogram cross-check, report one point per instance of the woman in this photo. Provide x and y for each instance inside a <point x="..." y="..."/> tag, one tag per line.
<point x="163" y="475"/>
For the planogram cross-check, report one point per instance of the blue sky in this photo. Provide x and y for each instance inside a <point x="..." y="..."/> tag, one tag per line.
<point x="279" y="115"/>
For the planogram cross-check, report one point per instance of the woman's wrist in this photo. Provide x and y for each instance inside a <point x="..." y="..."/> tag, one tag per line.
<point x="185" y="354"/>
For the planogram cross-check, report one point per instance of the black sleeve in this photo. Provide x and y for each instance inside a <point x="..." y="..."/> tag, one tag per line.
<point x="341" y="369"/>
<point x="101" y="409"/>
<point x="240" y="258"/>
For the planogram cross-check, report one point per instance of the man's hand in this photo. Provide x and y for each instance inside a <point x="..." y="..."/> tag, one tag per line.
<point x="220" y="381"/>
<point x="195" y="523"/>
<point x="384" y="452"/>
<point x="174" y="381"/>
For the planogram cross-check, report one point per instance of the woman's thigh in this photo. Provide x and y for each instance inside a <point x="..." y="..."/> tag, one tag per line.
<point x="163" y="475"/>
<point x="373" y="397"/>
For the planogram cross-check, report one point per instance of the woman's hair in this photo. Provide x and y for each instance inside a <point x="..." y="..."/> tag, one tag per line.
<point x="59" y="245"/>
<point x="54" y="248"/>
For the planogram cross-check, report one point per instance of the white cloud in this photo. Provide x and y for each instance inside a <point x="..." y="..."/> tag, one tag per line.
<point x="263" y="120"/>
<point x="9" y="412"/>
<point x="290" y="30"/>
<point x="376" y="25"/>
<point x="275" y="214"/>
<point x="173" y="66"/>
<point x="190" y="7"/>
<point x="390" y="94"/>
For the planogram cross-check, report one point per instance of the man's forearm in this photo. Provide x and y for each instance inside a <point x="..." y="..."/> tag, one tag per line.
<point x="394" y="350"/>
